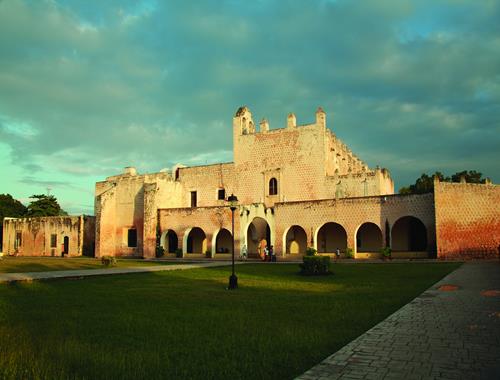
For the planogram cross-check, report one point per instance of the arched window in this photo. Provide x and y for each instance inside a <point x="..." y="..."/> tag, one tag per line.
<point x="273" y="186"/>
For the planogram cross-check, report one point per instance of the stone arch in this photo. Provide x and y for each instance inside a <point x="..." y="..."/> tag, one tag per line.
<point x="409" y="234"/>
<point x="195" y="241"/>
<point x="258" y="234"/>
<point x="222" y="242"/>
<point x="295" y="240"/>
<point x="369" y="238"/>
<point x="169" y="241"/>
<point x="329" y="237"/>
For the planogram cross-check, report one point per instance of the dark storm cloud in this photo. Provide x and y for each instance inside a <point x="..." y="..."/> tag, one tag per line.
<point x="89" y="87"/>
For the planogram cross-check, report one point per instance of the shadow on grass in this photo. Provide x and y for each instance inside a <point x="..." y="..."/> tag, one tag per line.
<point x="184" y="324"/>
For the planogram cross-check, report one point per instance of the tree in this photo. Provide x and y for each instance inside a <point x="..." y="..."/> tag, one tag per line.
<point x="470" y="176"/>
<point x="425" y="184"/>
<point x="44" y="205"/>
<point x="9" y="207"/>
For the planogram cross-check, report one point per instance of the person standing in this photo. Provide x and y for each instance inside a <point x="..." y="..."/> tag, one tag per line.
<point x="244" y="252"/>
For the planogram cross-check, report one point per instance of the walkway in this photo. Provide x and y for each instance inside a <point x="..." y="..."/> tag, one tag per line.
<point x="445" y="333"/>
<point x="76" y="273"/>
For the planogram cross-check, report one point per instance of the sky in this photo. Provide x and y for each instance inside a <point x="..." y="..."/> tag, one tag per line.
<point x="90" y="87"/>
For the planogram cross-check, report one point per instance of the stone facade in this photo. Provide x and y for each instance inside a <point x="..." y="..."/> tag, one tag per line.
<point x="467" y="220"/>
<point x="297" y="187"/>
<point x="49" y="236"/>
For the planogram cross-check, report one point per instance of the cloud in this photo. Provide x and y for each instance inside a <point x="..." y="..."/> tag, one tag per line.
<point x="89" y="87"/>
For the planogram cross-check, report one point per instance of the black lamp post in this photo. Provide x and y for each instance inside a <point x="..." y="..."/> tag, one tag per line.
<point x="233" y="204"/>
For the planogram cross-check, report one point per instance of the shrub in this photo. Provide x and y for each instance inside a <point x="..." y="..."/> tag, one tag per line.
<point x="349" y="253"/>
<point x="386" y="252"/>
<point x="310" y="251"/>
<point x="178" y="252"/>
<point x="208" y="253"/>
<point x="108" y="261"/>
<point x="160" y="251"/>
<point x="315" y="265"/>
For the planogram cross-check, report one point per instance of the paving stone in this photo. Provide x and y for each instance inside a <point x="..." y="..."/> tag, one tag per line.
<point x="440" y="334"/>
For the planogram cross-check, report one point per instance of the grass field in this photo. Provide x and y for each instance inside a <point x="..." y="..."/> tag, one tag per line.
<point x="184" y="324"/>
<point x="40" y="264"/>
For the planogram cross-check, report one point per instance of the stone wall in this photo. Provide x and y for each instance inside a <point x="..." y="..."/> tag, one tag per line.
<point x="34" y="236"/>
<point x="308" y="161"/>
<point x="351" y="214"/>
<point x="467" y="220"/>
<point x="209" y="219"/>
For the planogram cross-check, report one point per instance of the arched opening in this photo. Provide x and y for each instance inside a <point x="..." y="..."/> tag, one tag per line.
<point x="369" y="238"/>
<point x="65" y="246"/>
<point x="409" y="234"/>
<point x="224" y="242"/>
<point x="258" y="236"/>
<point x="196" y="241"/>
<point x="295" y="241"/>
<point x="330" y="237"/>
<point x="273" y="186"/>
<point x="169" y="241"/>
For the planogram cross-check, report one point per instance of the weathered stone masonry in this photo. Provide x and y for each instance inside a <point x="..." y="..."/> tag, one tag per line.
<point x="298" y="187"/>
<point x="49" y="236"/>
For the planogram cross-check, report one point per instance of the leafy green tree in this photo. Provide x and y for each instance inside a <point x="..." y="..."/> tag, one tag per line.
<point x="44" y="205"/>
<point x="471" y="176"/>
<point x="425" y="184"/>
<point x="9" y="207"/>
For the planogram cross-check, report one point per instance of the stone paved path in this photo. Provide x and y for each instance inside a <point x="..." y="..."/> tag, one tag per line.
<point x="30" y="276"/>
<point x="442" y="334"/>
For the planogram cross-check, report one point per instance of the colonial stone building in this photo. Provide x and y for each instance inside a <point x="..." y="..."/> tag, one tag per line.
<point x="297" y="187"/>
<point x="49" y="236"/>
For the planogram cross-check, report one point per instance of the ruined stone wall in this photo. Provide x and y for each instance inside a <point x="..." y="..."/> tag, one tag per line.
<point x="467" y="220"/>
<point x="351" y="213"/>
<point x="36" y="235"/>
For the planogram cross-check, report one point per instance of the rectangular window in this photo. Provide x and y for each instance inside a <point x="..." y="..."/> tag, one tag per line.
<point x="221" y="194"/>
<point x="132" y="238"/>
<point x="19" y="241"/>
<point x="193" y="199"/>
<point x="53" y="241"/>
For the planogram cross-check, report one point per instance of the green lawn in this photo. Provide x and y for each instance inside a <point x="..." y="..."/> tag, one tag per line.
<point x="41" y="264"/>
<point x="184" y="324"/>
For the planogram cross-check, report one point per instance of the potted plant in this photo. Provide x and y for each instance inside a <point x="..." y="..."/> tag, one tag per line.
<point x="386" y="253"/>
<point x="349" y="253"/>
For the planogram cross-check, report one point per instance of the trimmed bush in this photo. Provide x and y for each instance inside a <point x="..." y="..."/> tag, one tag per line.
<point x="310" y="251"/>
<point x="108" y="261"/>
<point x="349" y="253"/>
<point x="178" y="252"/>
<point x="386" y="252"/>
<point x="315" y="265"/>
